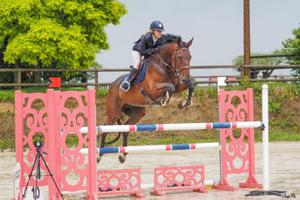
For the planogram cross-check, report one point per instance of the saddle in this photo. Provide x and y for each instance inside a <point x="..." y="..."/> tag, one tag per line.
<point x="140" y="76"/>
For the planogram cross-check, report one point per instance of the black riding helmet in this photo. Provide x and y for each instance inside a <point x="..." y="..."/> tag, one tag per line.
<point x="157" y="26"/>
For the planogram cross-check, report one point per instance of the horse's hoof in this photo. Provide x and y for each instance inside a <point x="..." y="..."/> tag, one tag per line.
<point x="189" y="103"/>
<point x="99" y="159"/>
<point x="163" y="102"/>
<point x="165" y="99"/>
<point x="184" y="104"/>
<point x="180" y="106"/>
<point x="122" y="158"/>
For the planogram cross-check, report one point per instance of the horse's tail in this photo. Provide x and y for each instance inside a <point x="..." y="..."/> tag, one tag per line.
<point x="114" y="140"/>
<point x="120" y="122"/>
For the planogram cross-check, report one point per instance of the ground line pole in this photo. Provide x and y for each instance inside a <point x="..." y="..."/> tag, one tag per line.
<point x="265" y="120"/>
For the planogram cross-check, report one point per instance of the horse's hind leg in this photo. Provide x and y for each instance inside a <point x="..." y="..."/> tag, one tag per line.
<point x="113" y="115"/>
<point x="135" y="114"/>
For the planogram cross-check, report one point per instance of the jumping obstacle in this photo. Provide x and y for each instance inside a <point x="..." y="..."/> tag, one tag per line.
<point x="55" y="122"/>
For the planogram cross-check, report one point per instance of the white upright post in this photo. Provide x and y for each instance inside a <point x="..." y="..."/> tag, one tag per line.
<point x="265" y="120"/>
<point x="220" y="82"/>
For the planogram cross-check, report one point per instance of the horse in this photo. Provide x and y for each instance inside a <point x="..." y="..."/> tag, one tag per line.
<point x="168" y="72"/>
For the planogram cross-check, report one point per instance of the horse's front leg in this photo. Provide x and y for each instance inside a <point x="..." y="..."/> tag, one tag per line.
<point x="167" y="89"/>
<point x="188" y="101"/>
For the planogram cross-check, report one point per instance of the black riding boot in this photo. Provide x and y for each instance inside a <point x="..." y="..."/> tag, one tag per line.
<point x="125" y="85"/>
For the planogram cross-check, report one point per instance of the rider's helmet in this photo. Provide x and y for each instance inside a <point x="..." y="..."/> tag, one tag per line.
<point x="157" y="26"/>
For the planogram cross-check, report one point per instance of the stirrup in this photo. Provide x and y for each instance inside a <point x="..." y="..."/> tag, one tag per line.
<point x="125" y="83"/>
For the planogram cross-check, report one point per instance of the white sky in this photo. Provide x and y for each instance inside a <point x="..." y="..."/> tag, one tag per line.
<point x="217" y="26"/>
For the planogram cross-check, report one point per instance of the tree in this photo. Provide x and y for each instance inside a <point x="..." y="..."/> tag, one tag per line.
<point x="55" y="33"/>
<point x="239" y="60"/>
<point x="292" y="47"/>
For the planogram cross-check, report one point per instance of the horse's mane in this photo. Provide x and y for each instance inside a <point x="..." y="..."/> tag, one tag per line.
<point x="170" y="39"/>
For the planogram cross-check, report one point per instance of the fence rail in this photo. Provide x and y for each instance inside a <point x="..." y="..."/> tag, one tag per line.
<point x="95" y="71"/>
<point x="265" y="67"/>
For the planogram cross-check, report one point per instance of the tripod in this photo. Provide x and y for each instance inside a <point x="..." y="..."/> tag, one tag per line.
<point x="37" y="161"/>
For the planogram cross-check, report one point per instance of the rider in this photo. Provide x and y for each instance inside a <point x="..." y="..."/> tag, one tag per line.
<point x="146" y="46"/>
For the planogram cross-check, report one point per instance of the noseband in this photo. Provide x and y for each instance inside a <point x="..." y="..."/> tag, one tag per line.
<point x="176" y="72"/>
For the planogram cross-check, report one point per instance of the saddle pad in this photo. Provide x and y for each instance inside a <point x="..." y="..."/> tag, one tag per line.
<point x="141" y="74"/>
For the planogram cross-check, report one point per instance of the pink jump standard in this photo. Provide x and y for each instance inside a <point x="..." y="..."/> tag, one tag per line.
<point x="237" y="148"/>
<point x="46" y="115"/>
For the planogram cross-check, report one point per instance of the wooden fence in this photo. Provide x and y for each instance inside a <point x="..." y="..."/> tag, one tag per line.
<point x="203" y="79"/>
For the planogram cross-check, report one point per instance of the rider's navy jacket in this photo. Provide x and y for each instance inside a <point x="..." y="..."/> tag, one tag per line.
<point x="145" y="45"/>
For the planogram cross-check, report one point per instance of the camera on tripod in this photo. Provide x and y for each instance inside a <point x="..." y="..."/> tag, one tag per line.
<point x="38" y="144"/>
<point x="37" y="162"/>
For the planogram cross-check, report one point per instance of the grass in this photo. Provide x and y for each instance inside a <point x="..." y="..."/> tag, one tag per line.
<point x="278" y="135"/>
<point x="282" y="136"/>
<point x="7" y="96"/>
<point x="7" y="143"/>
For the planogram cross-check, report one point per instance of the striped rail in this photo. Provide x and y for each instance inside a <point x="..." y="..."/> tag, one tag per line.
<point x="174" y="127"/>
<point x="170" y="147"/>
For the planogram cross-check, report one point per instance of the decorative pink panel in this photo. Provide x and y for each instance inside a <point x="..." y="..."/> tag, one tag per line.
<point x="119" y="182"/>
<point x="75" y="171"/>
<point x="71" y="120"/>
<point x="237" y="152"/>
<point x="179" y="178"/>
<point x="31" y="120"/>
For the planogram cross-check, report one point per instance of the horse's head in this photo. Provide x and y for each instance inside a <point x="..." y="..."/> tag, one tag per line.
<point x="181" y="59"/>
<point x="176" y="56"/>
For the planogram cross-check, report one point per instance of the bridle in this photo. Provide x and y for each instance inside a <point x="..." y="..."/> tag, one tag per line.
<point x="174" y="70"/>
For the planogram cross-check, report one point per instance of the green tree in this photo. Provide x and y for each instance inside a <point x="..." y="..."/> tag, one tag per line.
<point x="55" y="33"/>
<point x="239" y="60"/>
<point x="292" y="47"/>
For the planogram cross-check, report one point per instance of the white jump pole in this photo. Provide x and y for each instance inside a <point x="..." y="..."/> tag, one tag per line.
<point x="265" y="120"/>
<point x="174" y="127"/>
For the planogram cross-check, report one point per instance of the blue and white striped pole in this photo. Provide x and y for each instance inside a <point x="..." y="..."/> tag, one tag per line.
<point x="170" y="147"/>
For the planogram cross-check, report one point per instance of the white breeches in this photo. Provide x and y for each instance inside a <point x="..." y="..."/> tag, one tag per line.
<point x="136" y="59"/>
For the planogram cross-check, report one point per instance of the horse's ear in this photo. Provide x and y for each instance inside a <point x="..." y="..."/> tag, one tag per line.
<point x="178" y="40"/>
<point x="189" y="43"/>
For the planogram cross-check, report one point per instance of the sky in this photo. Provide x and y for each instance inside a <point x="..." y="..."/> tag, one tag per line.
<point x="216" y="25"/>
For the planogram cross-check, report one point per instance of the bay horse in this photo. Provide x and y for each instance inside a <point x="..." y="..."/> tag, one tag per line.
<point x="168" y="72"/>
